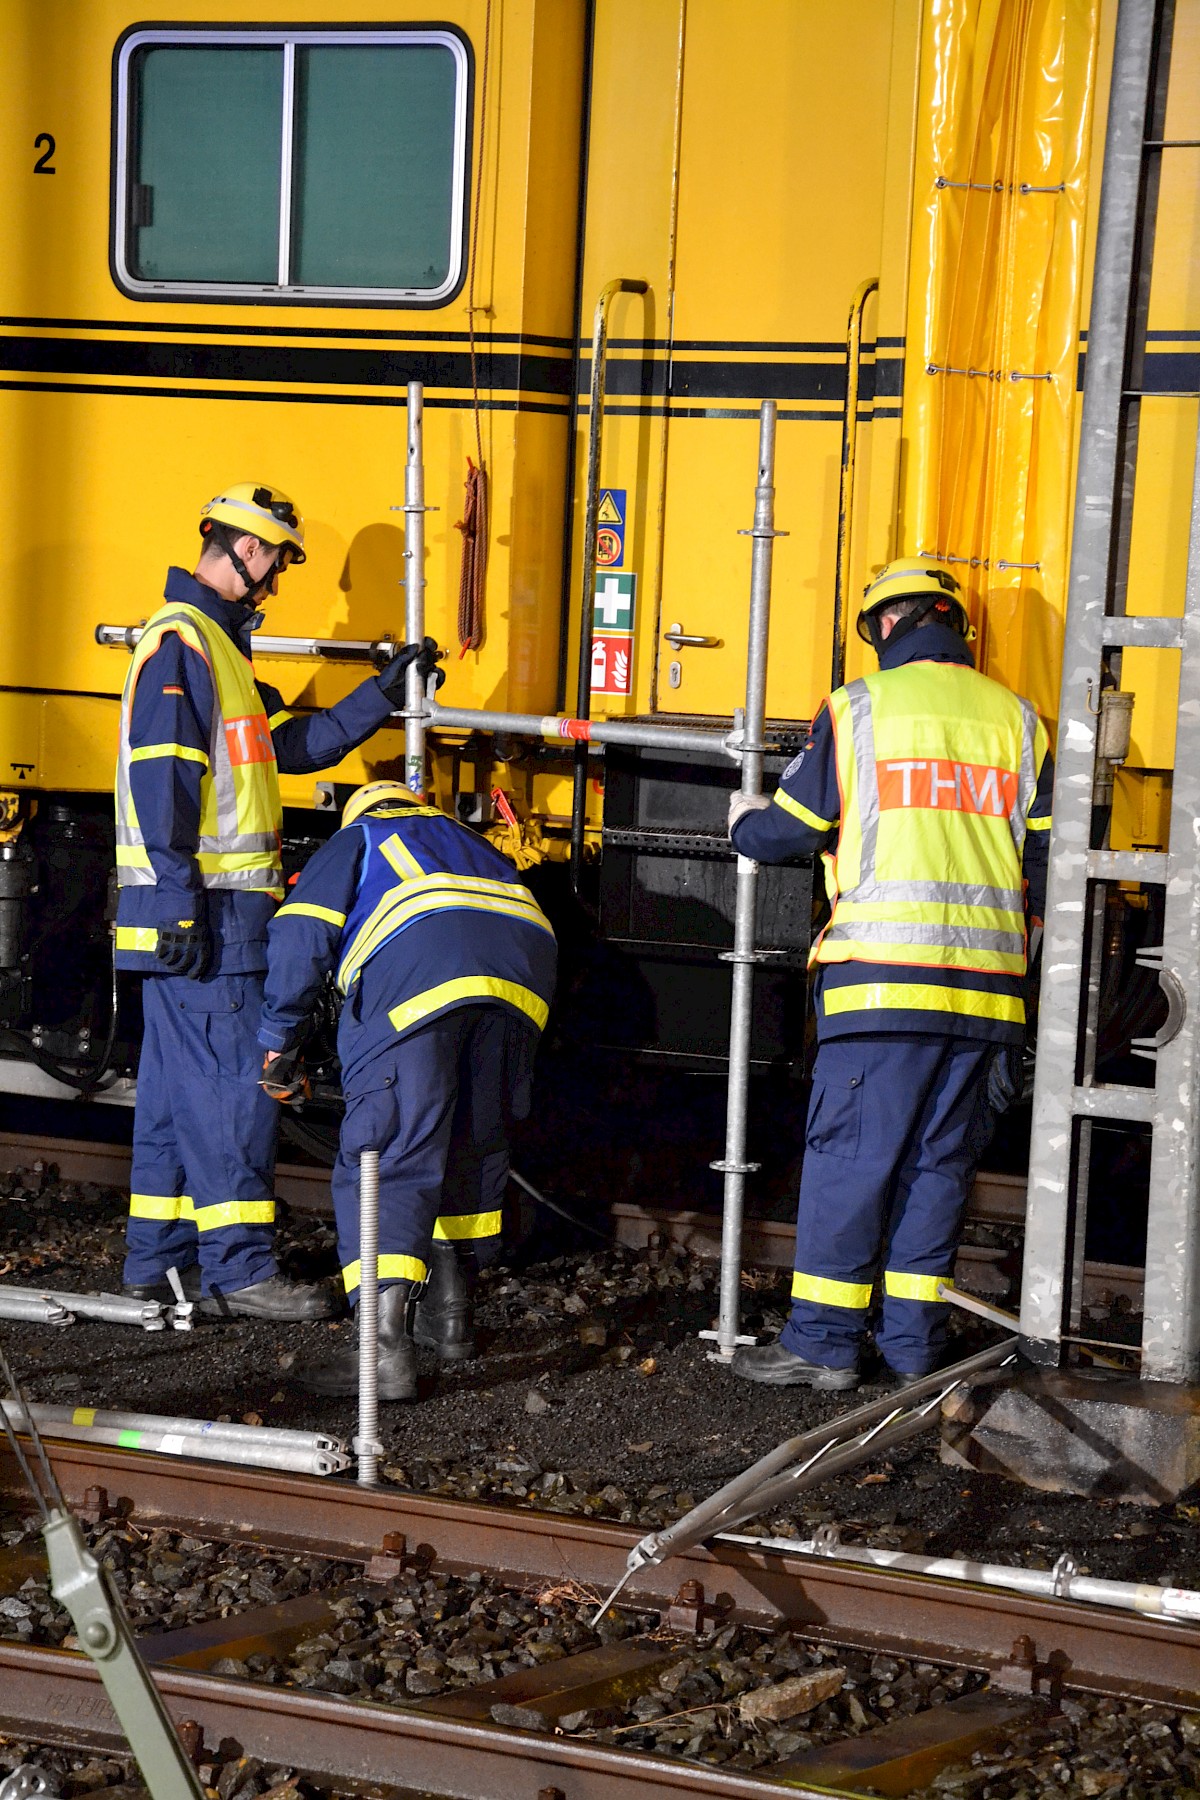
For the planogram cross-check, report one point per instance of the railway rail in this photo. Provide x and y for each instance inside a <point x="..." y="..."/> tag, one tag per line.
<point x="767" y="1243"/>
<point x="1028" y="1650"/>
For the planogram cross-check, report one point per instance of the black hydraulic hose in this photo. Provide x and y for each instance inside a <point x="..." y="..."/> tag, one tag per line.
<point x="85" y="1081"/>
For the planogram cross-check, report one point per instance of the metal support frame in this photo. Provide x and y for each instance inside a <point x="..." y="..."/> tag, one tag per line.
<point x="1171" y="1308"/>
<point x="1063" y="1110"/>
<point x="583" y="694"/>
<point x="367" y="1446"/>
<point x="1049" y="1212"/>
<point x="744" y="955"/>
<point x="414" y="588"/>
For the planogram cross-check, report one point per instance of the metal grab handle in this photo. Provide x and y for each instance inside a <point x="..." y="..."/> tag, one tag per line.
<point x="591" y="507"/>
<point x="678" y="636"/>
<point x="841" y="592"/>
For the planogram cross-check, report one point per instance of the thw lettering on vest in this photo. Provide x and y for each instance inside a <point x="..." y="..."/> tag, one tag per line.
<point x="249" y="739"/>
<point x="944" y="786"/>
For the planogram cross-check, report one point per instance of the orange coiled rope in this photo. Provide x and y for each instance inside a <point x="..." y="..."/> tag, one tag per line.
<point x="473" y="572"/>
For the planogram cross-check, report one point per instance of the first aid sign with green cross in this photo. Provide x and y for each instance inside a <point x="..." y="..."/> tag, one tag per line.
<point x="614" y="601"/>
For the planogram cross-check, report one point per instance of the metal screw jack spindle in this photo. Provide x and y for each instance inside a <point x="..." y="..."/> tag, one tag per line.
<point x="367" y="1446"/>
<point x="744" y="955"/>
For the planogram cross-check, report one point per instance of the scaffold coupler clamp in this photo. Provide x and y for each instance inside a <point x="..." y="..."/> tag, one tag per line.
<point x="181" y="1312"/>
<point x="734" y="742"/>
<point x="1061" y="1574"/>
<point x="826" y="1541"/>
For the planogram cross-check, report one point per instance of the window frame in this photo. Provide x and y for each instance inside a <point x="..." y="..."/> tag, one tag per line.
<point x="143" y="37"/>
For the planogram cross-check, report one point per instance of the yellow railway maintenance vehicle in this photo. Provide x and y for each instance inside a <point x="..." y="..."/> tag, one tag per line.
<point x="230" y="247"/>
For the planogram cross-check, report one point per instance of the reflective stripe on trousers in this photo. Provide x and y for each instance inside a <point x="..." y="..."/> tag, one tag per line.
<point x="202" y="1180"/>
<point x="895" y="1128"/>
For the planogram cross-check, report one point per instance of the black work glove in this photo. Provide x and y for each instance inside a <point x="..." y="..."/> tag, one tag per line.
<point x="184" y="947"/>
<point x="284" y="1077"/>
<point x="1005" y="1077"/>
<point x="425" y="655"/>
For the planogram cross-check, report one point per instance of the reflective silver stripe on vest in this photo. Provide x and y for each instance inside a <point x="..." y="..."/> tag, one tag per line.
<point x="1027" y="781"/>
<point x="862" y="730"/>
<point x="900" y="931"/>
<point x="939" y="893"/>
<point x="227" y="839"/>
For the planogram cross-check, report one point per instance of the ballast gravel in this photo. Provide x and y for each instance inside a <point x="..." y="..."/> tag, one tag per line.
<point x="592" y="1395"/>
<point x="429" y="1633"/>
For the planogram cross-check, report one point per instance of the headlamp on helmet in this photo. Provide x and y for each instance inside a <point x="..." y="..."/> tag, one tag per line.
<point x="262" y="511"/>
<point x="915" y="578"/>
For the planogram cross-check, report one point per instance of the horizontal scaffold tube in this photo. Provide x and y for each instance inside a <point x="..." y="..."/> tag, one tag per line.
<point x="583" y="731"/>
<point x="114" y="1309"/>
<point x="306" y="1453"/>
<point x="351" y="650"/>
<point x="459" y="718"/>
<point x="1063" y="1582"/>
<point x="35" y="1309"/>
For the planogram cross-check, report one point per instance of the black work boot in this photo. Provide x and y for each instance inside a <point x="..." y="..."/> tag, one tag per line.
<point x="276" y="1299"/>
<point x="776" y="1366"/>
<point x="442" y="1318"/>
<point x="338" y="1375"/>
<point x="162" y="1291"/>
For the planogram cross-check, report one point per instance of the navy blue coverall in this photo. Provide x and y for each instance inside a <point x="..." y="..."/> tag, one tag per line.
<point x="898" y="1115"/>
<point x="448" y="967"/>
<point x="202" y="1182"/>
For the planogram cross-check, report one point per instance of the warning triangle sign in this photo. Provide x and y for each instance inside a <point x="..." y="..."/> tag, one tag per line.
<point x="609" y="513"/>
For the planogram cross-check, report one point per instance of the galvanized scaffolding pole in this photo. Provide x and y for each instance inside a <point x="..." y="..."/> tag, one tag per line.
<point x="414" y="588"/>
<point x="745" y="955"/>
<point x="367" y="1447"/>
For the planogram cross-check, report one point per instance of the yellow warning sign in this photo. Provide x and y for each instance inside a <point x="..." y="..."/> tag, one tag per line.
<point x="609" y="513"/>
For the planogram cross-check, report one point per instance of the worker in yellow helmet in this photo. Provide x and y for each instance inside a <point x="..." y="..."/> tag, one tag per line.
<point x="447" y="963"/>
<point x="199" y="840"/>
<point x="927" y="789"/>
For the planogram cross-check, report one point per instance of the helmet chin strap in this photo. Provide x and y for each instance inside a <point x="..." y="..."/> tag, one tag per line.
<point x="220" y="534"/>
<point x="905" y="626"/>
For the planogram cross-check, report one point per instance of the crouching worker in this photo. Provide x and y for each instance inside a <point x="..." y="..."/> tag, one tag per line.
<point x="446" y="965"/>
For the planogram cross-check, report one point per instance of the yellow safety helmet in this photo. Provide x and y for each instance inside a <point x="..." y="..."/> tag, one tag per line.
<point x="911" y="578"/>
<point x="252" y="506"/>
<point x="377" y="793"/>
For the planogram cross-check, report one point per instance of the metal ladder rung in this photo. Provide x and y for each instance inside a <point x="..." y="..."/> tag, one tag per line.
<point x="1127" y="865"/>
<point x="1118" y="630"/>
<point x="1136" y="1105"/>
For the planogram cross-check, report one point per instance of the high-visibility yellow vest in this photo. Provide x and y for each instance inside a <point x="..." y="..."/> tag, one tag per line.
<point x="241" y="815"/>
<point x="938" y="767"/>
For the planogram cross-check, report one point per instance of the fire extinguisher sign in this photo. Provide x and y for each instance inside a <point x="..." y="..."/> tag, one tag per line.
<point x="612" y="632"/>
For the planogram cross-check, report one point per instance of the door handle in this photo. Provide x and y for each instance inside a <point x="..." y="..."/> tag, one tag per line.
<point x="678" y="637"/>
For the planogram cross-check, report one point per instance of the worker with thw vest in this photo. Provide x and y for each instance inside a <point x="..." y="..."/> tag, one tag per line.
<point x="199" y="865"/>
<point x="446" y="965"/>
<point x="927" y="788"/>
